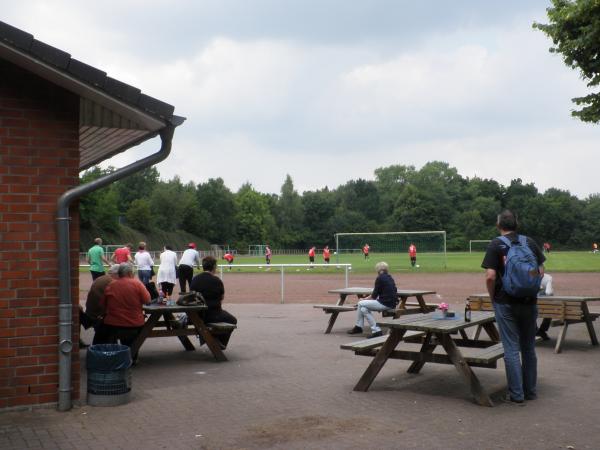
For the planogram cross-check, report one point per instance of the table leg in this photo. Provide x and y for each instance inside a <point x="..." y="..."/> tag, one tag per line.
<point x="463" y="334"/>
<point x="422" y="304"/>
<point x="491" y="331"/>
<point x="211" y="342"/>
<point x="427" y="347"/>
<point x="335" y="314"/>
<point x="561" y="337"/>
<point x="401" y="308"/>
<point x="379" y="360"/>
<point x="187" y="344"/>
<point x="148" y="327"/>
<point x="463" y="368"/>
<point x="477" y="332"/>
<point x="589" y="323"/>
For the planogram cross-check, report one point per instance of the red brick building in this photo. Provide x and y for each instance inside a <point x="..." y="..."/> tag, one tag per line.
<point x="58" y="116"/>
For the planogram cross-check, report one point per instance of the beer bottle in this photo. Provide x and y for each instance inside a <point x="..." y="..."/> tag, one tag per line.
<point x="467" y="312"/>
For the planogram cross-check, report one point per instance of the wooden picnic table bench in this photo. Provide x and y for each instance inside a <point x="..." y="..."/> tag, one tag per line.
<point x="561" y="310"/>
<point x="437" y="331"/>
<point x="404" y="306"/>
<point x="170" y="326"/>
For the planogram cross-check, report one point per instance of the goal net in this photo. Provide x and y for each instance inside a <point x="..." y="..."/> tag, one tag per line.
<point x="478" y="245"/>
<point x="431" y="247"/>
<point x="257" y="249"/>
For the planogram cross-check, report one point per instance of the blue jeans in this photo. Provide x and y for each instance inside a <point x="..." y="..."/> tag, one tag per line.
<point x="364" y="308"/>
<point x="145" y="276"/>
<point x="517" y="326"/>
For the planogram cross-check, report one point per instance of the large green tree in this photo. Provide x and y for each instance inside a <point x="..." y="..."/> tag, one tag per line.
<point x="574" y="27"/>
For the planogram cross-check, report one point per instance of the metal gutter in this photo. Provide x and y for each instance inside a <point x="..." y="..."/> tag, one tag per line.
<point x="65" y="306"/>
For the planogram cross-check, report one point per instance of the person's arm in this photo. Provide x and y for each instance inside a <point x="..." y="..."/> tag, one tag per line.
<point x="490" y="282"/>
<point x="377" y="289"/>
<point x="113" y="258"/>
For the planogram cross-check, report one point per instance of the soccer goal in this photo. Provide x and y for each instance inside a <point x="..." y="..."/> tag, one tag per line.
<point x="478" y="245"/>
<point x="257" y="249"/>
<point x="431" y="246"/>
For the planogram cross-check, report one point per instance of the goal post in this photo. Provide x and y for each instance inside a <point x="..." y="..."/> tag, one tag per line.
<point x="431" y="245"/>
<point x="478" y="245"/>
<point x="257" y="249"/>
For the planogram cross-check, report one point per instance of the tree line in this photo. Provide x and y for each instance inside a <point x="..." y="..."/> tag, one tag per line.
<point x="400" y="198"/>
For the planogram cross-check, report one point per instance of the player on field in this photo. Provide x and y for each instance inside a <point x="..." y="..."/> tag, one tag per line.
<point x="268" y="254"/>
<point x="326" y="254"/>
<point x="594" y="247"/>
<point x="365" y="251"/>
<point x="311" y="255"/>
<point x="229" y="258"/>
<point x="412" y="253"/>
<point x="547" y="247"/>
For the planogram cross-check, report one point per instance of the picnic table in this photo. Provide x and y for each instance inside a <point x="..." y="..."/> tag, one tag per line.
<point x="562" y="310"/>
<point x="403" y="307"/>
<point x="170" y="326"/>
<point x="437" y="331"/>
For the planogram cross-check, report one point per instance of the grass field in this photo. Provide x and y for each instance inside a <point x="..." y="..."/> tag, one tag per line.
<point x="428" y="263"/>
<point x="456" y="262"/>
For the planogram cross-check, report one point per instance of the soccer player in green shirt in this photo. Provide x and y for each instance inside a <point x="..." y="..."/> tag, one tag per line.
<point x="96" y="259"/>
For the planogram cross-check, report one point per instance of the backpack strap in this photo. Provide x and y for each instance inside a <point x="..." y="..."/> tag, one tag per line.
<point x="505" y="240"/>
<point x="522" y="240"/>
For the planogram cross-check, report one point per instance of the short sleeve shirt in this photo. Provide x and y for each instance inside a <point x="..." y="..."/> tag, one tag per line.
<point x="95" y="255"/>
<point x="494" y="259"/>
<point x="122" y="255"/>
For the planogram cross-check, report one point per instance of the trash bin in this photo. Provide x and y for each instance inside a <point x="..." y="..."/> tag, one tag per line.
<point x="108" y="374"/>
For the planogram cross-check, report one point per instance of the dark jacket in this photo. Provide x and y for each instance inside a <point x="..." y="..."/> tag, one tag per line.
<point x="385" y="291"/>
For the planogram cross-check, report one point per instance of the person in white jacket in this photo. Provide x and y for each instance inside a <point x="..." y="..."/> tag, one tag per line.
<point x="167" y="273"/>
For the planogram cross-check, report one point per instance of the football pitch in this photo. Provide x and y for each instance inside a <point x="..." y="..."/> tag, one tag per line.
<point x="427" y="262"/>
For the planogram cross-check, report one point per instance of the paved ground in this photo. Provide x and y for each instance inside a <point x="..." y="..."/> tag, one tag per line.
<point x="289" y="386"/>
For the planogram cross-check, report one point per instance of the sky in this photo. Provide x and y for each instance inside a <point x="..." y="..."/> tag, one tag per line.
<point x="328" y="91"/>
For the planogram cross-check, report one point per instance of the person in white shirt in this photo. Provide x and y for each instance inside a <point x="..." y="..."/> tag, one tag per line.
<point x="144" y="263"/>
<point x="546" y="289"/>
<point x="167" y="273"/>
<point x="189" y="259"/>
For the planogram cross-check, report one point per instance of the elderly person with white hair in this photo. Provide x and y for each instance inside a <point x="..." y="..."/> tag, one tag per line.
<point x="383" y="298"/>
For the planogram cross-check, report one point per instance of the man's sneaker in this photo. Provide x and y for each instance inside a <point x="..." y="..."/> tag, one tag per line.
<point x="530" y="396"/>
<point x="543" y="335"/>
<point x="376" y="334"/>
<point x="355" y="330"/>
<point x="511" y="401"/>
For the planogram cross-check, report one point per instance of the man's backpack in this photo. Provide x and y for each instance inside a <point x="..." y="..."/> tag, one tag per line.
<point x="522" y="276"/>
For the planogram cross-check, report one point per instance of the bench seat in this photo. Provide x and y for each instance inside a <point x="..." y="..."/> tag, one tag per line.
<point x="336" y="308"/>
<point x="368" y="344"/>
<point x="220" y="327"/>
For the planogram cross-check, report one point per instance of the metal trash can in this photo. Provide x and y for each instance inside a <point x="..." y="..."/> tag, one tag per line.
<point x="108" y="374"/>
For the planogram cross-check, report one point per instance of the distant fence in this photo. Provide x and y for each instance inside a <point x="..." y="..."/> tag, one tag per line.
<point x="282" y="268"/>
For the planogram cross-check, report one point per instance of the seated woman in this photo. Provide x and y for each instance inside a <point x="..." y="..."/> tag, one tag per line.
<point x="383" y="298"/>
<point x="212" y="289"/>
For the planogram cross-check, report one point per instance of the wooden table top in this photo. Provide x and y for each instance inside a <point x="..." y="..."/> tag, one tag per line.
<point x="549" y="298"/>
<point x="173" y="309"/>
<point x="432" y="322"/>
<point x="368" y="291"/>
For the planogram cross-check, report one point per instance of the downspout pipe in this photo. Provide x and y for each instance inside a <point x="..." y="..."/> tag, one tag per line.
<point x="65" y="306"/>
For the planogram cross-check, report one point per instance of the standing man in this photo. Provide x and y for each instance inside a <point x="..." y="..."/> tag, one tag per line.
<point x="365" y="251"/>
<point x="311" y="255"/>
<point x="516" y="315"/>
<point x="412" y="253"/>
<point x="96" y="259"/>
<point x="189" y="259"/>
<point x="268" y="254"/>
<point x="326" y="254"/>
<point x="123" y="254"/>
<point x="123" y="300"/>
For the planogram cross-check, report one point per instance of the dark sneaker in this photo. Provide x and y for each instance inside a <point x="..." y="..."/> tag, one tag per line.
<point x="355" y="330"/>
<point x="511" y="401"/>
<point x="530" y="396"/>
<point x="376" y="334"/>
<point x="543" y="335"/>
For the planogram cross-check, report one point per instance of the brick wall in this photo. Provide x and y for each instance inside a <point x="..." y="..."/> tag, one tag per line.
<point x="39" y="158"/>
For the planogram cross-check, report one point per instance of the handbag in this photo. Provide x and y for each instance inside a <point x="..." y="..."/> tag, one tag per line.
<point x="191" y="298"/>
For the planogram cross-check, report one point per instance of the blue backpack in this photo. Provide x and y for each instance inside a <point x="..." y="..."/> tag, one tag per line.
<point x="521" y="269"/>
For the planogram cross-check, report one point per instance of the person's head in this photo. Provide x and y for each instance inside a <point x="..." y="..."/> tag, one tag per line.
<point x="125" y="270"/>
<point x="129" y="245"/>
<point x="98" y="241"/>
<point x="113" y="271"/>
<point x="142" y="245"/>
<point x="168" y="247"/>
<point x="507" y="221"/>
<point x="382" y="267"/>
<point x="192" y="245"/>
<point x="209" y="263"/>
